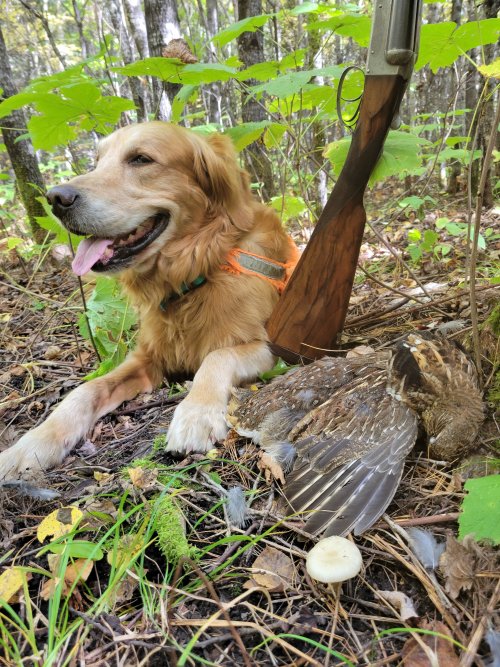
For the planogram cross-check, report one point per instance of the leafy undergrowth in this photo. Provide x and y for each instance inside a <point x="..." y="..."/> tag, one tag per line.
<point x="136" y="561"/>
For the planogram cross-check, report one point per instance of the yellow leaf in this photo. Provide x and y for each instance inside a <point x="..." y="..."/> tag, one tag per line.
<point x="143" y="478"/>
<point x="60" y="522"/>
<point x="11" y="582"/>
<point x="491" y="71"/>
<point x="102" y="477"/>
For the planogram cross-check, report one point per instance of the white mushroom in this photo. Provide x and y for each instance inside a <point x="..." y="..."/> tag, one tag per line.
<point x="333" y="560"/>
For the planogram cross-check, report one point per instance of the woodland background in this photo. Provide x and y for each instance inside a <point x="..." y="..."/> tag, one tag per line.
<point x="107" y="590"/>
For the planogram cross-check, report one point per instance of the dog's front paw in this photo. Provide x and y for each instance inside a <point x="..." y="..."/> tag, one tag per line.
<point x="37" y="450"/>
<point x="196" y="427"/>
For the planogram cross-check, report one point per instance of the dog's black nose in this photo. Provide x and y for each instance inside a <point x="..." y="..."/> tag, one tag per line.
<point x="62" y="198"/>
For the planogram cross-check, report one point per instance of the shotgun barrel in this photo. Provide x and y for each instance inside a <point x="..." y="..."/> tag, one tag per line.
<point x="313" y="306"/>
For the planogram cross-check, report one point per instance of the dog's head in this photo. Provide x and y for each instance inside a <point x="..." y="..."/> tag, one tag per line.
<point x="152" y="182"/>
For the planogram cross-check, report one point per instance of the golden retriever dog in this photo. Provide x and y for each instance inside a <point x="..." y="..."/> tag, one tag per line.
<point x="171" y="212"/>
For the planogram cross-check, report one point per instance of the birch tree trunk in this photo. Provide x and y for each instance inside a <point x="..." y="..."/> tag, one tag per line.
<point x="162" y="23"/>
<point x="138" y="91"/>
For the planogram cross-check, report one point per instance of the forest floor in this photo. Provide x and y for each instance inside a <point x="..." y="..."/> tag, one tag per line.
<point x="118" y="594"/>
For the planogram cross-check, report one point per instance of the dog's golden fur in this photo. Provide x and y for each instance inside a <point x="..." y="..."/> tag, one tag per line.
<point x="216" y="331"/>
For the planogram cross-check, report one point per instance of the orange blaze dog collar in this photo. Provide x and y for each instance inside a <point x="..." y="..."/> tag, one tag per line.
<point x="243" y="262"/>
<point x="277" y="273"/>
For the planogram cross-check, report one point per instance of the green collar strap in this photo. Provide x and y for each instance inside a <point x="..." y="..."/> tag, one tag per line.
<point x="185" y="289"/>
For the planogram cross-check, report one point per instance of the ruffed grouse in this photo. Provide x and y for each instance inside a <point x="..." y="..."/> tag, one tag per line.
<point x="344" y="426"/>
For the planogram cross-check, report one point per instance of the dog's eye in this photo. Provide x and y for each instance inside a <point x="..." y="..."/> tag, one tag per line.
<point x="140" y="159"/>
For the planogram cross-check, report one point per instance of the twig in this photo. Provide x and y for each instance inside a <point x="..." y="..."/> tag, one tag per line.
<point x="428" y="520"/>
<point x="411" y="297"/>
<point x="470" y="656"/>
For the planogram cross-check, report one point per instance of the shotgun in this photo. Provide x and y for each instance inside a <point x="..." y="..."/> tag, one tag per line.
<point x="312" y="309"/>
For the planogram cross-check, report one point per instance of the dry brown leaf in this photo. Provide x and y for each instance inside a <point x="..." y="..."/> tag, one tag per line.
<point x="143" y="478"/>
<point x="78" y="570"/>
<point x="271" y="468"/>
<point x="459" y="564"/>
<point x="273" y="570"/>
<point x="124" y="591"/>
<point x="402" y="602"/>
<point x="414" y="655"/>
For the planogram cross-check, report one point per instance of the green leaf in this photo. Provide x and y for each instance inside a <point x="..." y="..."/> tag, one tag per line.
<point x="243" y="134"/>
<point x="185" y="94"/>
<point x="415" y="251"/>
<point x="273" y="135"/>
<point x="401" y="155"/>
<point x="414" y="202"/>
<point x="348" y="25"/>
<point x="110" y="318"/>
<point x="166" y="69"/>
<point x="442" y="43"/>
<point x="259" y="72"/>
<point x="481" y="509"/>
<point x="76" y="549"/>
<point x="309" y="8"/>
<point x="285" y="85"/>
<point x="198" y="73"/>
<point x="16" y="102"/>
<point x="288" y="206"/>
<point x="414" y="235"/>
<point x="250" y="24"/>
<point x="13" y="242"/>
<point x="280" y="368"/>
<point x="430" y="239"/>
<point x="52" y="224"/>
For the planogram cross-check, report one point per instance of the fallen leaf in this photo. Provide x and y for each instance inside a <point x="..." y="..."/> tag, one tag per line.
<point x="402" y="602"/>
<point x="75" y="572"/>
<point x="143" y="478"/>
<point x="125" y="551"/>
<point x="459" y="564"/>
<point x="102" y="477"/>
<point x="271" y="468"/>
<point x="414" y="654"/>
<point x="58" y="523"/>
<point x="124" y="591"/>
<point x="11" y="582"/>
<point x="273" y="570"/>
<point x="53" y="352"/>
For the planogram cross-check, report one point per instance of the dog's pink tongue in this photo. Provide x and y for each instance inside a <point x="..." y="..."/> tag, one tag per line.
<point x="88" y="253"/>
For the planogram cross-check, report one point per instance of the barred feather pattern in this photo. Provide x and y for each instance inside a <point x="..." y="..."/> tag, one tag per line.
<point x="352" y="422"/>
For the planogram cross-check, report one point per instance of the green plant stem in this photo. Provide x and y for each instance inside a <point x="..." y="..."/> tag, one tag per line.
<point x="477" y="224"/>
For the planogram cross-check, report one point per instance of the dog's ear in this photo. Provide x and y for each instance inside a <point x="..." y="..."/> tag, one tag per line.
<point x="217" y="170"/>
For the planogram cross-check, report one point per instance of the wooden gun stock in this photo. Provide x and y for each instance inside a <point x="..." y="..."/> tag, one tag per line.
<point x="312" y="309"/>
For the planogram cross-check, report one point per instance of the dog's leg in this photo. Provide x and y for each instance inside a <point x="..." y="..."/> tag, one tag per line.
<point x="48" y="444"/>
<point x="200" y="420"/>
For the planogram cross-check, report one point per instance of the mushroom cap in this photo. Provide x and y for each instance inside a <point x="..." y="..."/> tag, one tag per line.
<point x="333" y="559"/>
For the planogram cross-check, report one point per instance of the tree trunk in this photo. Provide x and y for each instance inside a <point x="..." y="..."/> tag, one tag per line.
<point x="490" y="8"/>
<point x="137" y="26"/>
<point x="250" y="52"/>
<point x="162" y="23"/>
<point x="455" y="166"/>
<point x="137" y="90"/>
<point x="317" y="162"/>
<point x="85" y="44"/>
<point x="213" y="90"/>
<point x="29" y="179"/>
